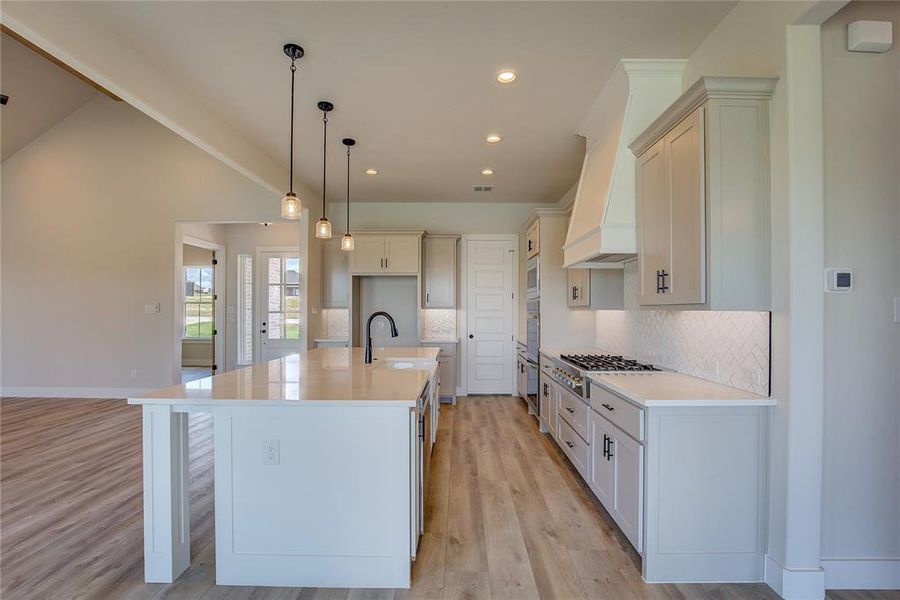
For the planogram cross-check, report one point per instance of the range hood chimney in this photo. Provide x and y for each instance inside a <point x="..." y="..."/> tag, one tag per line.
<point x="602" y="229"/>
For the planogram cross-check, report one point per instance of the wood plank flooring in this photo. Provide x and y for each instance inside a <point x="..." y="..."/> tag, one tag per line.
<point x="507" y="517"/>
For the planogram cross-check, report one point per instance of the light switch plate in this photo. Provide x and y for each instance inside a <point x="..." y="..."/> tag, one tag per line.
<point x="151" y="309"/>
<point x="839" y="279"/>
<point x="897" y="309"/>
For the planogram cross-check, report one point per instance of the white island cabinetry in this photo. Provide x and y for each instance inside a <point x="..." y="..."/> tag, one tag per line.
<point x="320" y="469"/>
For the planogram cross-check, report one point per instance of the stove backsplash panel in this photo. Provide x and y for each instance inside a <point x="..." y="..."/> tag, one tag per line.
<point x="726" y="347"/>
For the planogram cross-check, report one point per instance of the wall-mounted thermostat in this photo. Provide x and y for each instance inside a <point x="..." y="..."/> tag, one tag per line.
<point x="839" y="280"/>
<point x="870" y="36"/>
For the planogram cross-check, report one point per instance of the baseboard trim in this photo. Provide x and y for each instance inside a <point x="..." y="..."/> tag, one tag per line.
<point x="63" y="393"/>
<point x="795" y="584"/>
<point x="862" y="573"/>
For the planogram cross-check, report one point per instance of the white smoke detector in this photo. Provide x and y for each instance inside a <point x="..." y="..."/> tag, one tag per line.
<point x="870" y="36"/>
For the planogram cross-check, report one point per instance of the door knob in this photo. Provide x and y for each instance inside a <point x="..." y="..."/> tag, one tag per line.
<point x="471" y="336"/>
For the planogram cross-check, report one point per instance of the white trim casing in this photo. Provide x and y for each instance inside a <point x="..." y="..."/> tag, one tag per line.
<point x="799" y="584"/>
<point x="220" y="286"/>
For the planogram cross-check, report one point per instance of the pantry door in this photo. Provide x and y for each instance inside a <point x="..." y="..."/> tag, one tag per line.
<point x="278" y="303"/>
<point x="490" y="283"/>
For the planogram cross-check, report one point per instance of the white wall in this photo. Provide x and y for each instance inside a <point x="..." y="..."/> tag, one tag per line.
<point x="193" y="256"/>
<point x="762" y="38"/>
<point x="434" y="217"/>
<point x="72" y="319"/>
<point x="861" y="470"/>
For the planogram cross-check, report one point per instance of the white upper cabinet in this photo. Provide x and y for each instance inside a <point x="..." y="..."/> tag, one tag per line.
<point x="336" y="275"/>
<point x="439" y="270"/>
<point x="368" y="255"/>
<point x="703" y="199"/>
<point x="380" y="253"/>
<point x="401" y="254"/>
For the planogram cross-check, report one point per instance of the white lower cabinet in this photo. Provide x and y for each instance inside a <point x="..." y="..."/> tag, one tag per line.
<point x="616" y="476"/>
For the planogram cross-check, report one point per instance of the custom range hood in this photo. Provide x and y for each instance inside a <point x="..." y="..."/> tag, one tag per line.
<point x="602" y="229"/>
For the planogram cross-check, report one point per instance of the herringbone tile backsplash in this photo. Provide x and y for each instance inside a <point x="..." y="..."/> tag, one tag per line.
<point x="726" y="347"/>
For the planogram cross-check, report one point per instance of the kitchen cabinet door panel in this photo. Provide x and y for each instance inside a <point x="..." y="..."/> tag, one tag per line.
<point x="439" y="272"/>
<point x="335" y="275"/>
<point x="578" y="292"/>
<point x="629" y="493"/>
<point x="654" y="218"/>
<point x="686" y="266"/>
<point x="401" y="254"/>
<point x="368" y="256"/>
<point x="602" y="474"/>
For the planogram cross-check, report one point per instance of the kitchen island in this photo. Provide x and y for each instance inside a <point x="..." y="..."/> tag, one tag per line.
<point x="320" y="465"/>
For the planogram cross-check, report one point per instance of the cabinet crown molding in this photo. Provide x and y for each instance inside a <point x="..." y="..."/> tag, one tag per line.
<point x="553" y="211"/>
<point x="706" y="88"/>
<point x="388" y="231"/>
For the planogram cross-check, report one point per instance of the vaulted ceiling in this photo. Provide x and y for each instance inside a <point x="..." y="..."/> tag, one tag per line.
<point x="413" y="82"/>
<point x="41" y="94"/>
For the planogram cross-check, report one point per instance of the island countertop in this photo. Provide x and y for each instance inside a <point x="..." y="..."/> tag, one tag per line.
<point x="336" y="376"/>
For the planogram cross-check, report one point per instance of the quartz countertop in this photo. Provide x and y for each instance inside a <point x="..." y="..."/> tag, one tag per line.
<point x="336" y="376"/>
<point x="666" y="388"/>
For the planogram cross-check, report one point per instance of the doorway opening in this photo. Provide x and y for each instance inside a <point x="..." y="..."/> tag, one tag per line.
<point x="202" y="278"/>
<point x="240" y="295"/>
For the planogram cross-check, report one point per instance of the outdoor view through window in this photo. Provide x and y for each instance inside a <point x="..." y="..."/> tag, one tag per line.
<point x="284" y="298"/>
<point x="198" y="302"/>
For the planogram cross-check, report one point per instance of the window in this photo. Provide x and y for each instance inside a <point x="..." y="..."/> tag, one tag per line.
<point x="198" y="302"/>
<point x="245" y="309"/>
<point x="283" y="298"/>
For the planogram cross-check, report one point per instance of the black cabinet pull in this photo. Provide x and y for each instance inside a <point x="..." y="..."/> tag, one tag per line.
<point x="570" y="410"/>
<point x="607" y="444"/>
<point x="570" y="444"/>
<point x="607" y="407"/>
<point x="546" y="390"/>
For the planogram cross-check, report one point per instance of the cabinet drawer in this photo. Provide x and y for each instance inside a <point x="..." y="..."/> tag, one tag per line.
<point x="573" y="446"/>
<point x="575" y="412"/>
<point x="625" y="415"/>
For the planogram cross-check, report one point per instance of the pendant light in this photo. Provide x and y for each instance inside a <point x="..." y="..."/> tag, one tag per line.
<point x="290" y="204"/>
<point x="347" y="243"/>
<point x="323" y="226"/>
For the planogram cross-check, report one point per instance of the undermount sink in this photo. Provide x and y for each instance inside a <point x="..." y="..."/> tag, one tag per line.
<point x="405" y="363"/>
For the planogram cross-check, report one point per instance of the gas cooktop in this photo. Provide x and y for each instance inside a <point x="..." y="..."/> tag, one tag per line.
<point x="606" y="362"/>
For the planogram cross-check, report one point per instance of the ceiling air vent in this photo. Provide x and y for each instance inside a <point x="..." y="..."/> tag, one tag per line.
<point x="482" y="188"/>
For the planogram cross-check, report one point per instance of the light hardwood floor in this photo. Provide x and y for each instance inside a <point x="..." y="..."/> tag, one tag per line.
<point x="506" y="515"/>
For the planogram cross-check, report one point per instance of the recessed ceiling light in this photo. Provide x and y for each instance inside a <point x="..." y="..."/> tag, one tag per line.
<point x="507" y="76"/>
<point x="493" y="138"/>
<point x="371" y="171"/>
<point x="487" y="172"/>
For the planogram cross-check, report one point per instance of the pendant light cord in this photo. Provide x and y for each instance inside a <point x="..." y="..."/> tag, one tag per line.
<point x="348" y="189"/>
<point x="291" y="168"/>
<point x="324" y="156"/>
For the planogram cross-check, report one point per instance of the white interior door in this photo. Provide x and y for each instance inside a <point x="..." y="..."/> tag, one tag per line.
<point x="278" y="304"/>
<point x="489" y="316"/>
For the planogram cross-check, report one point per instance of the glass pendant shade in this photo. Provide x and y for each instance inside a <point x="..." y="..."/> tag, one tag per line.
<point x="290" y="206"/>
<point x="323" y="229"/>
<point x="347" y="244"/>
